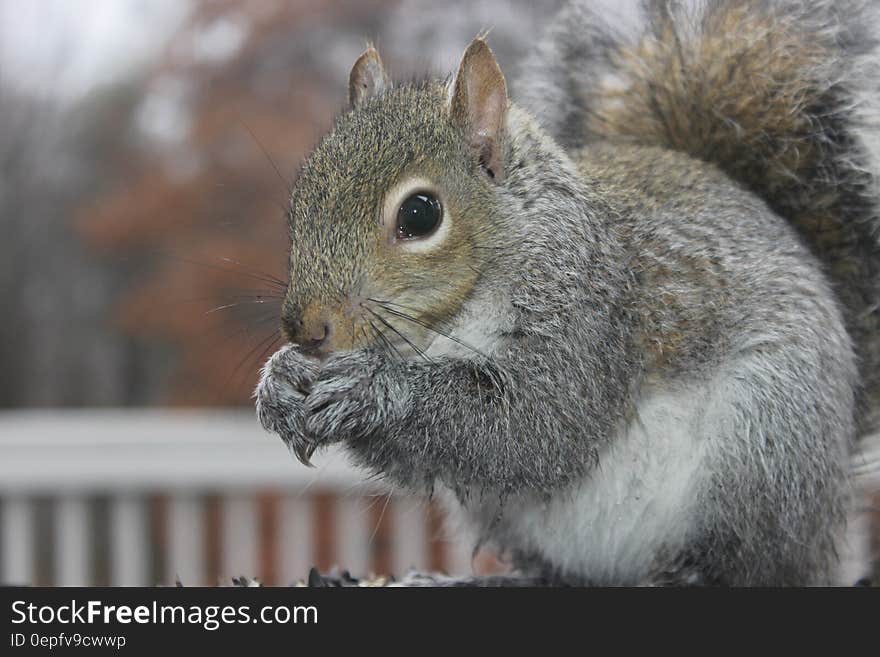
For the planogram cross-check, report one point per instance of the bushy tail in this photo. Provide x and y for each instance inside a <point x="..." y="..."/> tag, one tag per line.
<point x="781" y="95"/>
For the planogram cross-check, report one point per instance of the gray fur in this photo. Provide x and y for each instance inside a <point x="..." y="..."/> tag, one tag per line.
<point x="281" y="394"/>
<point x="619" y="271"/>
<point x="832" y="201"/>
<point x="562" y="71"/>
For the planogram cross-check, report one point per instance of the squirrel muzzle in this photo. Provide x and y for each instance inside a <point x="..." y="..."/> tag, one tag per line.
<point x="318" y="330"/>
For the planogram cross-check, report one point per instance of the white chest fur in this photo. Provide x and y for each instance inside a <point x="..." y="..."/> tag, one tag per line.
<point x="639" y="499"/>
<point x="476" y="330"/>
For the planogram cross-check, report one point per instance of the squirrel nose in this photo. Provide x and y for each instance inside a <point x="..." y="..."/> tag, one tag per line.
<point x="311" y="336"/>
<point x="315" y="338"/>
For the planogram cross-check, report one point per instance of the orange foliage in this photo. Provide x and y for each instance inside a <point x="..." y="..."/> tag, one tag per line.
<point x="204" y="216"/>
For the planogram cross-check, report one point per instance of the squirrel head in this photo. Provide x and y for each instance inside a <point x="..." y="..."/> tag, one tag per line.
<point x="395" y="207"/>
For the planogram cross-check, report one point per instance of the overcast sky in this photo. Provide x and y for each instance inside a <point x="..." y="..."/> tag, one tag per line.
<point x="64" y="47"/>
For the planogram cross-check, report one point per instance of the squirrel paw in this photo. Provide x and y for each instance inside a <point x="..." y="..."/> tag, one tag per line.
<point x="340" y="404"/>
<point x="281" y="396"/>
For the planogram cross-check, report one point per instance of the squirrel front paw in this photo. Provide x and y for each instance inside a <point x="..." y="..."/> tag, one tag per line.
<point x="281" y="396"/>
<point x="346" y="398"/>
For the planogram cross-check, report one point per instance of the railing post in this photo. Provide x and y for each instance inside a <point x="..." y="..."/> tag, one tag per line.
<point x="186" y="541"/>
<point x="409" y="535"/>
<point x="239" y="546"/>
<point x="353" y="532"/>
<point x="129" y="548"/>
<point x="296" y="550"/>
<point x="18" y="541"/>
<point x="72" y="536"/>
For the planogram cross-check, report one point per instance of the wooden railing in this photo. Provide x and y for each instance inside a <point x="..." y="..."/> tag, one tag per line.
<point x="148" y="497"/>
<point x="153" y="497"/>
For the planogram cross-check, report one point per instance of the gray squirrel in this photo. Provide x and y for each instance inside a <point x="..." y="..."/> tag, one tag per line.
<point x="627" y="322"/>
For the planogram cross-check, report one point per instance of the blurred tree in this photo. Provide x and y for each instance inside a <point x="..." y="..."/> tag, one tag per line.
<point x="56" y="347"/>
<point x="226" y="116"/>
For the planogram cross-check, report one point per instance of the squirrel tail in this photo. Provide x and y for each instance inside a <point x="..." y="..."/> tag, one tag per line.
<point x="782" y="95"/>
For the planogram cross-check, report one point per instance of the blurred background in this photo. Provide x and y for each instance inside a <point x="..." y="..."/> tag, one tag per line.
<point x="146" y="151"/>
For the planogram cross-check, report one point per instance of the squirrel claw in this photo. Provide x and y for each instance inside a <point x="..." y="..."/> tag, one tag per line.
<point x="281" y="397"/>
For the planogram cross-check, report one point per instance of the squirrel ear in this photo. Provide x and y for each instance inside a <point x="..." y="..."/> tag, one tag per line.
<point x="479" y="103"/>
<point x="367" y="77"/>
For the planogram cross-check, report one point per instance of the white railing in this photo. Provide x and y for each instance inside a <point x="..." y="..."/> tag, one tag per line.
<point x="55" y="464"/>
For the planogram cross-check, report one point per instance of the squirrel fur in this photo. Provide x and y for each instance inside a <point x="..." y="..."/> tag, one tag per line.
<point x="642" y="343"/>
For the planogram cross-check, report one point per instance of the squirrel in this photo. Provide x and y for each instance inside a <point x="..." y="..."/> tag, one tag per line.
<point x="627" y="322"/>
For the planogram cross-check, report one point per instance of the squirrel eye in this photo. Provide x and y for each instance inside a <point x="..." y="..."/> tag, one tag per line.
<point x="418" y="216"/>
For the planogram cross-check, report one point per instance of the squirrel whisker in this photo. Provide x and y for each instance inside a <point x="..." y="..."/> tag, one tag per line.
<point x="388" y="346"/>
<point x="235" y="305"/>
<point x="269" y="277"/>
<point x="263" y="277"/>
<point x="402" y="315"/>
<point x="397" y="333"/>
<point x="271" y="340"/>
